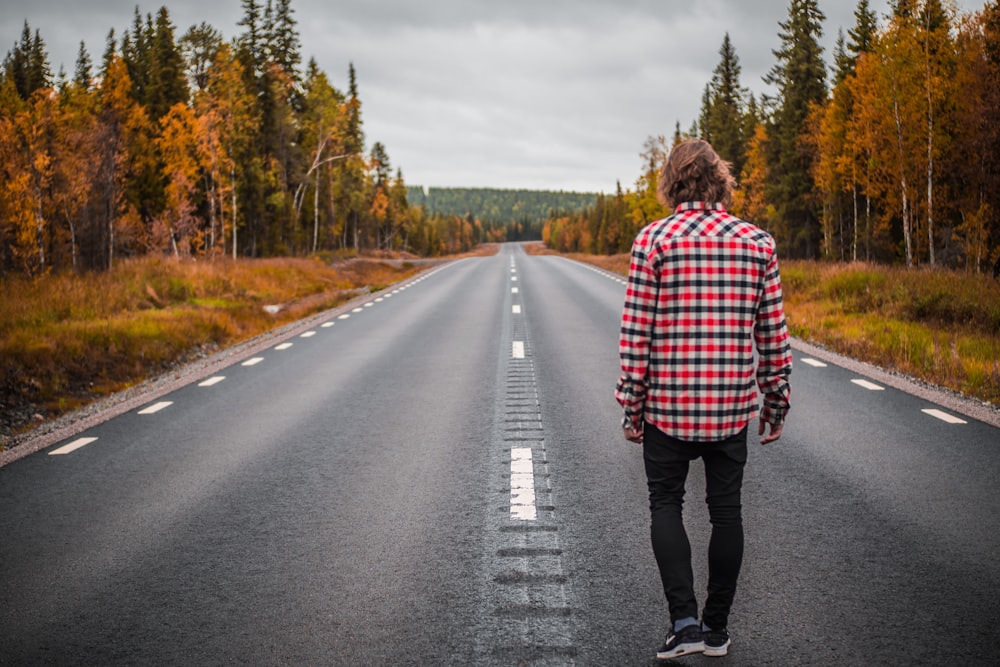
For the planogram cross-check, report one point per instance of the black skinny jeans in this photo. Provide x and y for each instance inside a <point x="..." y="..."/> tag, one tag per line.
<point x="667" y="460"/>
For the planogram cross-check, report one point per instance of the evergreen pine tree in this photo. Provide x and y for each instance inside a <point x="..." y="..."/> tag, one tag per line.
<point x="800" y="79"/>
<point x="723" y="125"/>
<point x="84" y="68"/>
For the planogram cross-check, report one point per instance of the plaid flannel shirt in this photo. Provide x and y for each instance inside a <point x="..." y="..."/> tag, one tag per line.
<point x="703" y="289"/>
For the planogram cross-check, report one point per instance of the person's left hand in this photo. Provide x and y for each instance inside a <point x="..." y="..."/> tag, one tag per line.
<point x="633" y="436"/>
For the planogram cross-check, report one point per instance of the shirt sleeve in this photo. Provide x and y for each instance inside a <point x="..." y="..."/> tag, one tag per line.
<point x="771" y="336"/>
<point x="636" y="333"/>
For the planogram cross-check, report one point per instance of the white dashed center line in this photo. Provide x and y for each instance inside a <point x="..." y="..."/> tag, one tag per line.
<point x="327" y="325"/>
<point x="870" y="386"/>
<point x="357" y="310"/>
<point x="212" y="381"/>
<point x="516" y="309"/>
<point x="513" y="290"/>
<point x="72" y="446"/>
<point x="815" y="363"/>
<point x="522" y="485"/>
<point x="343" y="317"/>
<point x="517" y="351"/>
<point x="308" y="334"/>
<point x="155" y="407"/>
<point x="283" y="346"/>
<point x="944" y="416"/>
<point x="253" y="362"/>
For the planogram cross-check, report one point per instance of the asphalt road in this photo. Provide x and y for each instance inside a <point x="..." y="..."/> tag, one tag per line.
<point x="439" y="479"/>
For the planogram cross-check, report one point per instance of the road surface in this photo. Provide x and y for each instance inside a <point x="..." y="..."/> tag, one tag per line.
<point x="437" y="477"/>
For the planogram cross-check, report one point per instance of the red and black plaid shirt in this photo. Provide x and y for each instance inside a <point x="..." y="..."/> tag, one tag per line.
<point x="703" y="288"/>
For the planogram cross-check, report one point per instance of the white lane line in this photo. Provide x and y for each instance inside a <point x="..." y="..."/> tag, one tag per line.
<point x="212" y="381"/>
<point x="343" y="317"/>
<point x="522" y="485"/>
<point x="357" y="310"/>
<point x="815" y="363"/>
<point x="513" y="290"/>
<point x="369" y="304"/>
<point x="327" y="325"/>
<point x="155" y="407"/>
<point x="513" y="279"/>
<point x="253" y="362"/>
<point x="389" y="296"/>
<point x="72" y="446"/>
<point x="283" y="346"/>
<point x="870" y="386"/>
<point x="379" y="300"/>
<point x="516" y="309"/>
<point x="517" y="349"/>
<point x="944" y="416"/>
<point x="308" y="334"/>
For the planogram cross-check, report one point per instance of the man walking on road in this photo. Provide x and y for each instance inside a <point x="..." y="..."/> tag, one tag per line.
<point x="703" y="293"/>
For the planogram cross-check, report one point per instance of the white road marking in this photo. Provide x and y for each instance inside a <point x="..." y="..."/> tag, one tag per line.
<point x="283" y="346"/>
<point x="870" y="386"/>
<point x="944" y="416"/>
<point x="343" y="317"/>
<point x="516" y="309"/>
<point x="253" y="362"/>
<point x="308" y="334"/>
<point x="517" y="349"/>
<point x="815" y="363"/>
<point x="357" y="310"/>
<point x="327" y="325"/>
<point x="212" y="381"/>
<point x="72" y="446"/>
<point x="513" y="279"/>
<point x="155" y="407"/>
<point x="513" y="290"/>
<point x="369" y="304"/>
<point x="379" y="300"/>
<point x="522" y="485"/>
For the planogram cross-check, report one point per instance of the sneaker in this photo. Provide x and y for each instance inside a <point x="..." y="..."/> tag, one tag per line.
<point x="716" y="642"/>
<point x="687" y="640"/>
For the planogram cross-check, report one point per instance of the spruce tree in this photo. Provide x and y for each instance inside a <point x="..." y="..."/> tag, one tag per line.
<point x="800" y="79"/>
<point x="723" y="122"/>
<point x="84" y="68"/>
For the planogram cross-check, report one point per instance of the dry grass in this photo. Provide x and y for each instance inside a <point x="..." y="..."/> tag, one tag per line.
<point x="65" y="340"/>
<point x="940" y="326"/>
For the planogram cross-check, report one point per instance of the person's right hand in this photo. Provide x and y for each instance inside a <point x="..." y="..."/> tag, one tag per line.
<point x="775" y="433"/>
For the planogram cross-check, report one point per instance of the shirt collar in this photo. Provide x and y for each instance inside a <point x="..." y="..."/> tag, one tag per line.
<point x="699" y="206"/>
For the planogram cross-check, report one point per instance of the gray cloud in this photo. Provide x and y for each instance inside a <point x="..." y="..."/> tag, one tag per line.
<point x="555" y="94"/>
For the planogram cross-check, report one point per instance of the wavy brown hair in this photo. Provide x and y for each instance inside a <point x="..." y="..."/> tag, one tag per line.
<point x="695" y="172"/>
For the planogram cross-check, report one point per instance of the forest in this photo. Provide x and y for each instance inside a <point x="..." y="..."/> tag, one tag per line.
<point x="195" y="146"/>
<point x="891" y="156"/>
<point x="523" y="212"/>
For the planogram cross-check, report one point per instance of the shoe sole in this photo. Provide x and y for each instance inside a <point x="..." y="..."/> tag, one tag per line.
<point x="717" y="651"/>
<point x="681" y="649"/>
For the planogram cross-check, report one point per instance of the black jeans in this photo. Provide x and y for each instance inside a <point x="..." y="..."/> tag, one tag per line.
<point x="667" y="461"/>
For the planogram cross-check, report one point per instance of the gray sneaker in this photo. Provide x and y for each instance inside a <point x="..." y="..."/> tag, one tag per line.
<point x="688" y="640"/>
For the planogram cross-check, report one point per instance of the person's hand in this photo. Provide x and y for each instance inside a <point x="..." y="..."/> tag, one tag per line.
<point x="632" y="435"/>
<point x="773" y="435"/>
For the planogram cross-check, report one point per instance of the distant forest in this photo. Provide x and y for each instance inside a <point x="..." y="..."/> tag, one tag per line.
<point x="525" y="210"/>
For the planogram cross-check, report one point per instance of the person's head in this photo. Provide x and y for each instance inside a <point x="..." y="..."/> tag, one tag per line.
<point x="695" y="172"/>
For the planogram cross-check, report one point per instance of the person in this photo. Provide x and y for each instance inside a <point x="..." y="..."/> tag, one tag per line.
<point x="703" y="292"/>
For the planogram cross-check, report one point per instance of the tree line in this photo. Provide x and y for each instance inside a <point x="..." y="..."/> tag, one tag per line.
<point x="894" y="157"/>
<point x="521" y="212"/>
<point x="195" y="146"/>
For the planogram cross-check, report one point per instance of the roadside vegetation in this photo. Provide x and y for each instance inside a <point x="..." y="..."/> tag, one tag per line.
<point x="939" y="326"/>
<point x="68" y="339"/>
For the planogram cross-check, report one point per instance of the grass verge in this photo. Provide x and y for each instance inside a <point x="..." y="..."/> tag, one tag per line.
<point x="942" y="327"/>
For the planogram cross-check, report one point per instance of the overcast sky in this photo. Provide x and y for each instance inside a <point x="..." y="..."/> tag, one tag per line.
<point x="536" y="94"/>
